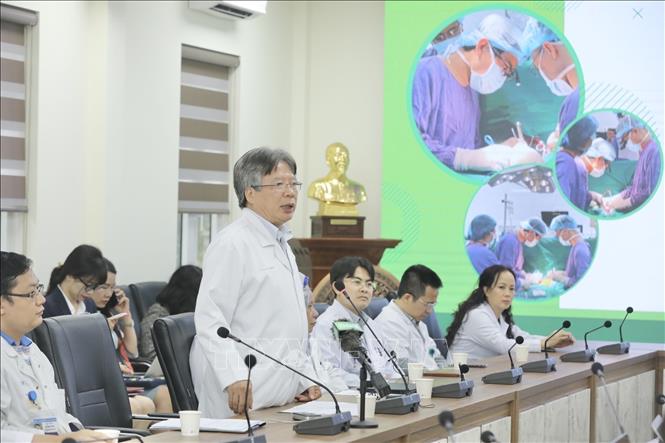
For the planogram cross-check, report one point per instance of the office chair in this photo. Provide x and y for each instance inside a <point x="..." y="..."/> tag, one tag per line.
<point x="81" y="351"/>
<point x="145" y="295"/>
<point x="376" y="306"/>
<point x="173" y="336"/>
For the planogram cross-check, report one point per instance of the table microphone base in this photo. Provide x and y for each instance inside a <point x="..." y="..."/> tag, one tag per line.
<point x="364" y="424"/>
<point x="584" y="356"/>
<point x="543" y="366"/>
<point x="398" y="405"/>
<point x="623" y="438"/>
<point x="327" y="425"/>
<point x="509" y="377"/>
<point x="248" y="439"/>
<point x="615" y="349"/>
<point x="458" y="389"/>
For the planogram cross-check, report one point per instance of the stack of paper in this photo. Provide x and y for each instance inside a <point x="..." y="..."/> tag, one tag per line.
<point x="210" y="425"/>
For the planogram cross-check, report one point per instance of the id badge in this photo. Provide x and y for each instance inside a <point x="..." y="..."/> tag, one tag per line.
<point x="46" y="421"/>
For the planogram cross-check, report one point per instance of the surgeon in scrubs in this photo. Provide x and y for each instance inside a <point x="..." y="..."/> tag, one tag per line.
<point x="572" y="175"/>
<point x="639" y="139"/>
<point x="445" y="95"/>
<point x="598" y="157"/>
<point x="579" y="257"/>
<point x="509" y="248"/>
<point x="481" y="238"/>
<point x="554" y="63"/>
<point x="402" y="320"/>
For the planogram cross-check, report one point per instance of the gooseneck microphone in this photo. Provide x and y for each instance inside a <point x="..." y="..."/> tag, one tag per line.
<point x="460" y="389"/>
<point x="548" y="364"/>
<point x="598" y="370"/>
<point x="510" y="377"/>
<point x="125" y="435"/>
<point x="326" y="425"/>
<point x="587" y="354"/>
<point x="250" y="362"/>
<point x="447" y="419"/>
<point x="391" y="355"/>
<point x="621" y="347"/>
<point x="488" y="437"/>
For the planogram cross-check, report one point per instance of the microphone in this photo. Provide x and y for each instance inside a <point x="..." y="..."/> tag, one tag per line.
<point x="447" y="419"/>
<point x="391" y="355"/>
<point x="510" y="377"/>
<point x="488" y="437"/>
<point x="658" y="424"/>
<point x="250" y="362"/>
<point x="107" y="439"/>
<point x="598" y="370"/>
<point x="587" y="354"/>
<point x="460" y="389"/>
<point x="548" y="364"/>
<point x="326" y="425"/>
<point x="621" y="347"/>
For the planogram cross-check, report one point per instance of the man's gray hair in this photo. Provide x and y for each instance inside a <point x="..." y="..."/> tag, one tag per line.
<point x="254" y="165"/>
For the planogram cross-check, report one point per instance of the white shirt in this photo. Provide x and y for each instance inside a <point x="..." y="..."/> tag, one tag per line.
<point x="251" y="287"/>
<point x="325" y="372"/>
<point x="408" y="338"/>
<point x="75" y="310"/>
<point x="23" y="372"/>
<point x="482" y="335"/>
<point x="344" y="365"/>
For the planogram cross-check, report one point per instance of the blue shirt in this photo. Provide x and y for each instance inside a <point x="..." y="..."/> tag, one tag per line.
<point x="23" y="341"/>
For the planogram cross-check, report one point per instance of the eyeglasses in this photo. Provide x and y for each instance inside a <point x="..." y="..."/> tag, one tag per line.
<point x="507" y="68"/>
<point x="104" y="287"/>
<point x="282" y="187"/>
<point x="31" y="295"/>
<point x="86" y="287"/>
<point x="427" y="305"/>
<point x="370" y="285"/>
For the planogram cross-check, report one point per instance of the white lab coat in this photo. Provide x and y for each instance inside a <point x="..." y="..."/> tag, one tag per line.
<point x="481" y="335"/>
<point x="19" y="378"/>
<point x="345" y="366"/>
<point x="251" y="287"/>
<point x="325" y="372"/>
<point x="405" y="338"/>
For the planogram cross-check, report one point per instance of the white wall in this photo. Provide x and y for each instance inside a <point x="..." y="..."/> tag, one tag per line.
<point x="104" y="167"/>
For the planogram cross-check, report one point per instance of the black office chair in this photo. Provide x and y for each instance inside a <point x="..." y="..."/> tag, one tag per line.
<point x="173" y="336"/>
<point x="81" y="351"/>
<point x="145" y="294"/>
<point x="434" y="331"/>
<point x="321" y="307"/>
<point x="376" y="306"/>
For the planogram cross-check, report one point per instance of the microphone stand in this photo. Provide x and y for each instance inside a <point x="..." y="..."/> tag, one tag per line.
<point x="362" y="423"/>
<point x="587" y="354"/>
<point x="621" y="347"/>
<point x="460" y="389"/>
<point x="548" y="364"/>
<point x="509" y="377"/>
<point x="597" y="369"/>
<point x="250" y="361"/>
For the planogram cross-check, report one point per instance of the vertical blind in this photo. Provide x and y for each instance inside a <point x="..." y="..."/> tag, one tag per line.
<point x="204" y="177"/>
<point x="12" y="114"/>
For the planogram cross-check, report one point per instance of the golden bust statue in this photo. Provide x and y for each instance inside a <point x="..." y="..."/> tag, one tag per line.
<point x="337" y="195"/>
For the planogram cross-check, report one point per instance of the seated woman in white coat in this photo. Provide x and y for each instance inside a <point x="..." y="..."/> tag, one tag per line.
<point x="483" y="324"/>
<point x="402" y="320"/>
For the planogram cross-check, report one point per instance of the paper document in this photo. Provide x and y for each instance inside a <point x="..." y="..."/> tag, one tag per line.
<point x="210" y="425"/>
<point x="322" y="408"/>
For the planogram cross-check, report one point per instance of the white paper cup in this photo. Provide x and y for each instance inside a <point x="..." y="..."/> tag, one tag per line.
<point x="415" y="371"/>
<point x="459" y="358"/>
<point x="190" y="421"/>
<point x="521" y="354"/>
<point x="370" y="405"/>
<point x="424" y="389"/>
<point x="111" y="434"/>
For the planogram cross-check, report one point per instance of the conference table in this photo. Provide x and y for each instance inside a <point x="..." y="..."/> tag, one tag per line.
<point x="569" y="404"/>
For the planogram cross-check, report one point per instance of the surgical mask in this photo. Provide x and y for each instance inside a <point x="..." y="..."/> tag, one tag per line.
<point x="530" y="244"/>
<point x="558" y="86"/>
<point x="632" y="146"/>
<point x="564" y="242"/>
<point x="597" y="172"/>
<point x="488" y="82"/>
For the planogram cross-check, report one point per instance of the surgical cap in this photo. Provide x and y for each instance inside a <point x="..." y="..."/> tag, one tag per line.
<point x="481" y="225"/>
<point x="536" y="225"/>
<point x="563" y="221"/>
<point x="626" y="123"/>
<point x="534" y="35"/>
<point x="501" y="33"/>
<point x="601" y="148"/>
<point x="581" y="132"/>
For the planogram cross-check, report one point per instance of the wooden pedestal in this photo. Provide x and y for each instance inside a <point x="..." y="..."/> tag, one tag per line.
<point x="337" y="226"/>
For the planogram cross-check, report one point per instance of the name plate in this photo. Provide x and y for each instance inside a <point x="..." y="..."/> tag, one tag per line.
<point x="343" y="222"/>
<point x="338" y="226"/>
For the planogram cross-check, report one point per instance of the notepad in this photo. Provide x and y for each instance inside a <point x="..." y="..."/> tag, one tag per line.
<point x="322" y="408"/>
<point x="234" y="425"/>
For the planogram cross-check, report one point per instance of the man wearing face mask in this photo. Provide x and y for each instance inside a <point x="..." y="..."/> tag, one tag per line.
<point x="555" y="65"/>
<point x="445" y="94"/>
<point x="579" y="257"/>
<point x="572" y="175"/>
<point x="509" y="248"/>
<point x="638" y="138"/>
<point x="598" y="157"/>
<point x="481" y="239"/>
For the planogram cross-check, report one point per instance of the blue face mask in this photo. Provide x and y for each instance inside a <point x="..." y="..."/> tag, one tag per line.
<point x="488" y="82"/>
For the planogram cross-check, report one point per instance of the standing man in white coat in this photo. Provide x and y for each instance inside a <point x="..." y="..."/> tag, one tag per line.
<point x="357" y="275"/>
<point x="251" y="285"/>
<point x="32" y="405"/>
<point x="402" y="320"/>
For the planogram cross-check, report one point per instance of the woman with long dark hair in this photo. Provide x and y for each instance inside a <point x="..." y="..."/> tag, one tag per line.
<point x="72" y="283"/>
<point x="483" y="324"/>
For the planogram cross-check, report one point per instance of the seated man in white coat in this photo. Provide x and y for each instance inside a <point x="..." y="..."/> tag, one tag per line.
<point x="402" y="320"/>
<point x="251" y="285"/>
<point x="32" y="404"/>
<point x="357" y="275"/>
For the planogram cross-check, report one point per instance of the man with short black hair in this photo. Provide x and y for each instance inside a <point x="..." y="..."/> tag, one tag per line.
<point x="32" y="404"/>
<point x="402" y="320"/>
